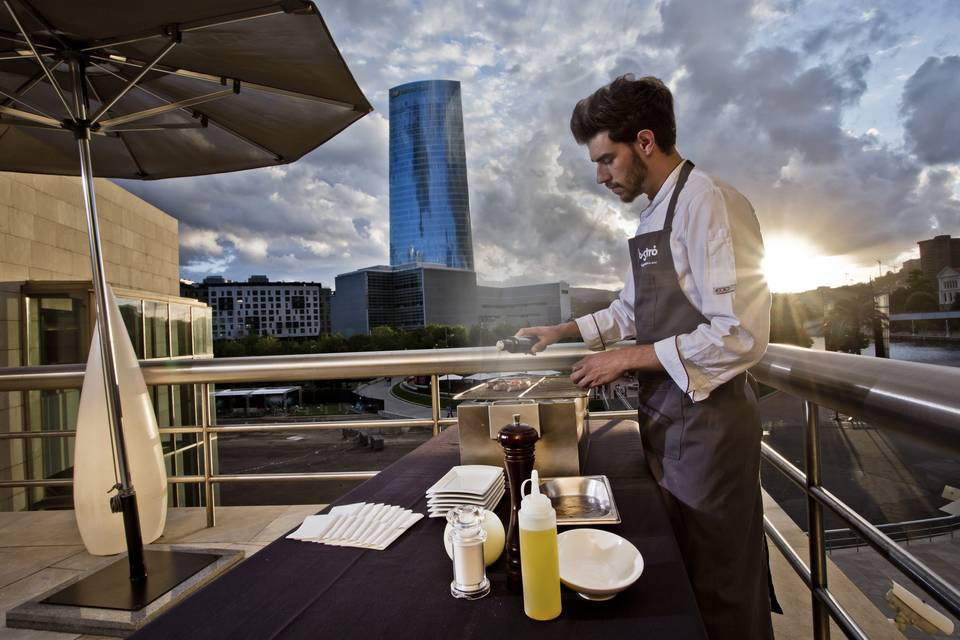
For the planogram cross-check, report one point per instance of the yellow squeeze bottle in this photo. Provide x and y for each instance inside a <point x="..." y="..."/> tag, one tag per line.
<point x="539" y="563"/>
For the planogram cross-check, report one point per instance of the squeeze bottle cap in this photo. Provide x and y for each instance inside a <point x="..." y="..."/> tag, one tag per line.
<point x="535" y="503"/>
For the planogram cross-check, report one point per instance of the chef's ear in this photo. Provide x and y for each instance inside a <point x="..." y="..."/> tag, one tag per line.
<point x="646" y="142"/>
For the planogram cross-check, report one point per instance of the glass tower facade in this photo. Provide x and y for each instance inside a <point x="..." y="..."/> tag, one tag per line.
<point x="429" y="205"/>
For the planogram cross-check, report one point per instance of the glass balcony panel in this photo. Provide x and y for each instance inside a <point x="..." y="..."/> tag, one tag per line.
<point x="180" y="330"/>
<point x="57" y="329"/>
<point x="156" y="339"/>
<point x="132" y="314"/>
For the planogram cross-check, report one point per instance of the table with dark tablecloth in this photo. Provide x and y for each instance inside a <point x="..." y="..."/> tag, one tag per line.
<point x="294" y="589"/>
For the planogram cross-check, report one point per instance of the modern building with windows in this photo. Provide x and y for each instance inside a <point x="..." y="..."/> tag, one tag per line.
<point x="524" y="306"/>
<point x="403" y="297"/>
<point x="47" y="314"/>
<point x="261" y="307"/>
<point x="429" y="204"/>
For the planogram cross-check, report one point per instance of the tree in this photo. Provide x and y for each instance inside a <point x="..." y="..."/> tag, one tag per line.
<point x="921" y="301"/>
<point x="853" y="310"/>
<point x="786" y="321"/>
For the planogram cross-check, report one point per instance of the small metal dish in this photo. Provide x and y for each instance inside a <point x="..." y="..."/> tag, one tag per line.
<point x="581" y="500"/>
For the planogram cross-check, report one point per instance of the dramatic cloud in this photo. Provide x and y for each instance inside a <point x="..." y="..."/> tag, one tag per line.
<point x="930" y="100"/>
<point x="839" y="124"/>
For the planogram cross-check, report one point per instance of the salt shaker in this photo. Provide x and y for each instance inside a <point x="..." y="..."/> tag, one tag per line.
<point x="519" y="442"/>
<point x="466" y="537"/>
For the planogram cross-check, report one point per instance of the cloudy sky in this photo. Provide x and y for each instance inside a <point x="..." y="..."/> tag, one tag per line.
<point x="841" y="125"/>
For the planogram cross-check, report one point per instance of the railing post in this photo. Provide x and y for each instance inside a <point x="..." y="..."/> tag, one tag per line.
<point x="818" y="558"/>
<point x="435" y="403"/>
<point x="207" y="454"/>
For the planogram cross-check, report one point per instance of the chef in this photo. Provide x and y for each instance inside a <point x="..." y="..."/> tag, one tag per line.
<point x="696" y="302"/>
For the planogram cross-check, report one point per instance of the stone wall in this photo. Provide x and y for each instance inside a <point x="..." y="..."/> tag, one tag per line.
<point x="43" y="234"/>
<point x="43" y="237"/>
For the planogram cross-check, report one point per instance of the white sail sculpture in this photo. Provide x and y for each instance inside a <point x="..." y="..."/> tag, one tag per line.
<point x="94" y="469"/>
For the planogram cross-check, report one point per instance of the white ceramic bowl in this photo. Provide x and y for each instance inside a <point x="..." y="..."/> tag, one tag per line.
<point x="597" y="564"/>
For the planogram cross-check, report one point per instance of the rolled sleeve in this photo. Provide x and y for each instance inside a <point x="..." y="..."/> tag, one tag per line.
<point x="669" y="357"/>
<point x="725" y="251"/>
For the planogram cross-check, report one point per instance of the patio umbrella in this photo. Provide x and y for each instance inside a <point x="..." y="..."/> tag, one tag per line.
<point x="151" y="90"/>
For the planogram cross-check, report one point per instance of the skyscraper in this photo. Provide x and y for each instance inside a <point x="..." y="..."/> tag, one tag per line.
<point x="429" y="205"/>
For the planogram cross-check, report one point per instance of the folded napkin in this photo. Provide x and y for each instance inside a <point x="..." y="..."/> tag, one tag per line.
<point x="364" y="524"/>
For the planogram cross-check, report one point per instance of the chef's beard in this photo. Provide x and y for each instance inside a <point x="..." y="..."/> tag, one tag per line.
<point x="633" y="183"/>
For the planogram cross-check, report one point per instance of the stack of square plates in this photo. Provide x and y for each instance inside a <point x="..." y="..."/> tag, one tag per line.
<point x="476" y="484"/>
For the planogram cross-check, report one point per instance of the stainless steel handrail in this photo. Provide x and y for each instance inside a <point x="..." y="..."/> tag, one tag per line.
<point x="317" y="366"/>
<point x="915" y="399"/>
<point x="918" y="400"/>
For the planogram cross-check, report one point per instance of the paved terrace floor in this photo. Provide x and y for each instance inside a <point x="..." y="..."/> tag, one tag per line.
<point x="39" y="550"/>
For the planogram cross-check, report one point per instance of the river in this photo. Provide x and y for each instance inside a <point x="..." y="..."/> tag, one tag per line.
<point x="944" y="354"/>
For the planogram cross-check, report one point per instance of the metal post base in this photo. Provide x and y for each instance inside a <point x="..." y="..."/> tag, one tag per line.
<point x="112" y="588"/>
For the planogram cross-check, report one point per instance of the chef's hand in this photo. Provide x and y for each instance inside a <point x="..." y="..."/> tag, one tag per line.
<point x="600" y="368"/>
<point x="549" y="335"/>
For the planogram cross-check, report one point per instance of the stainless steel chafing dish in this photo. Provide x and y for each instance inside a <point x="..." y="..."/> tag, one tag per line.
<point x="552" y="405"/>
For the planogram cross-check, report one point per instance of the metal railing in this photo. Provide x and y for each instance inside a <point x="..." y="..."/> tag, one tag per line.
<point x="910" y="530"/>
<point x="918" y="400"/>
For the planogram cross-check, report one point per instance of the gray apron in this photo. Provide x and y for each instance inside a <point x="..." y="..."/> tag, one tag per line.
<point x="705" y="455"/>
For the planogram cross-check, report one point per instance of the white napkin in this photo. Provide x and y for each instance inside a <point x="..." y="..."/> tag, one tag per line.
<point x="364" y="525"/>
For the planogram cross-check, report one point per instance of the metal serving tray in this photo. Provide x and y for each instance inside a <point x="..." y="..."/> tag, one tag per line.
<point x="581" y="500"/>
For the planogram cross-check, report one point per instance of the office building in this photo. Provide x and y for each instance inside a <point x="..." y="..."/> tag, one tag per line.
<point x="937" y="253"/>
<point x="524" y="306"/>
<point x="47" y="315"/>
<point x="259" y="307"/>
<point x="429" y="204"/>
<point x="403" y="297"/>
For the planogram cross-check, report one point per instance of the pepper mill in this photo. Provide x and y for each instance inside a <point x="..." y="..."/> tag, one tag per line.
<point x="518" y="441"/>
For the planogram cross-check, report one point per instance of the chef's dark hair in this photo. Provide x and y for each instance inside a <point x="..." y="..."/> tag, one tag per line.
<point x="625" y="107"/>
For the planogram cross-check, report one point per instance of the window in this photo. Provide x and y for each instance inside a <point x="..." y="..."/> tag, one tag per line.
<point x="180" y="330"/>
<point x="156" y="341"/>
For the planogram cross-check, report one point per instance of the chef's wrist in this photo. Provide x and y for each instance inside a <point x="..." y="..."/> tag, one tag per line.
<point x="641" y="357"/>
<point x="569" y="329"/>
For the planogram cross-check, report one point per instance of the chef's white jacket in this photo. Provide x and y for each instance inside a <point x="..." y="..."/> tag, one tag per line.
<point x="717" y="255"/>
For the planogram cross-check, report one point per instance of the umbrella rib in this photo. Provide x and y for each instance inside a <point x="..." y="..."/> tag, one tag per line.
<point x="133" y="81"/>
<point x="277" y="157"/>
<point x="206" y="77"/>
<point x="226" y="129"/>
<point x="23" y="89"/>
<point x="33" y="48"/>
<point x="196" y="25"/>
<point x="146" y="113"/>
<point x="15" y="37"/>
<point x="123" y="139"/>
<point x="26" y="115"/>
<point x="46" y="24"/>
<point x="16" y="99"/>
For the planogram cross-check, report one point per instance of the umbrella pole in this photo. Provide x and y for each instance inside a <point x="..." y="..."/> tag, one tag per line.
<point x="126" y="499"/>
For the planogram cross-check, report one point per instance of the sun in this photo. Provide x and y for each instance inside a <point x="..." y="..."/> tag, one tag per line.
<point x="793" y="264"/>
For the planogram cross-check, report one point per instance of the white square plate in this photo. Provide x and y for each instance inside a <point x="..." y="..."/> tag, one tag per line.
<point x="440" y="510"/>
<point x="470" y="478"/>
<point x="460" y="495"/>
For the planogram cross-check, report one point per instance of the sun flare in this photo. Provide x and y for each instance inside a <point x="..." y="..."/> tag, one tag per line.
<point x="793" y="264"/>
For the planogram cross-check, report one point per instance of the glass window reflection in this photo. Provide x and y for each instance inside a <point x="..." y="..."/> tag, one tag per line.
<point x="156" y="339"/>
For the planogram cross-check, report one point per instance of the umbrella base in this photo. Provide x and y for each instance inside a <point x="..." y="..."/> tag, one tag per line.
<point x="106" y="602"/>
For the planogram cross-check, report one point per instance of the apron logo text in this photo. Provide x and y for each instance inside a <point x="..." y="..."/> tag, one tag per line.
<point x="646" y="254"/>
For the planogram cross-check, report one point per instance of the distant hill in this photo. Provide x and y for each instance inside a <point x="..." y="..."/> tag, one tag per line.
<point x="584" y="300"/>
